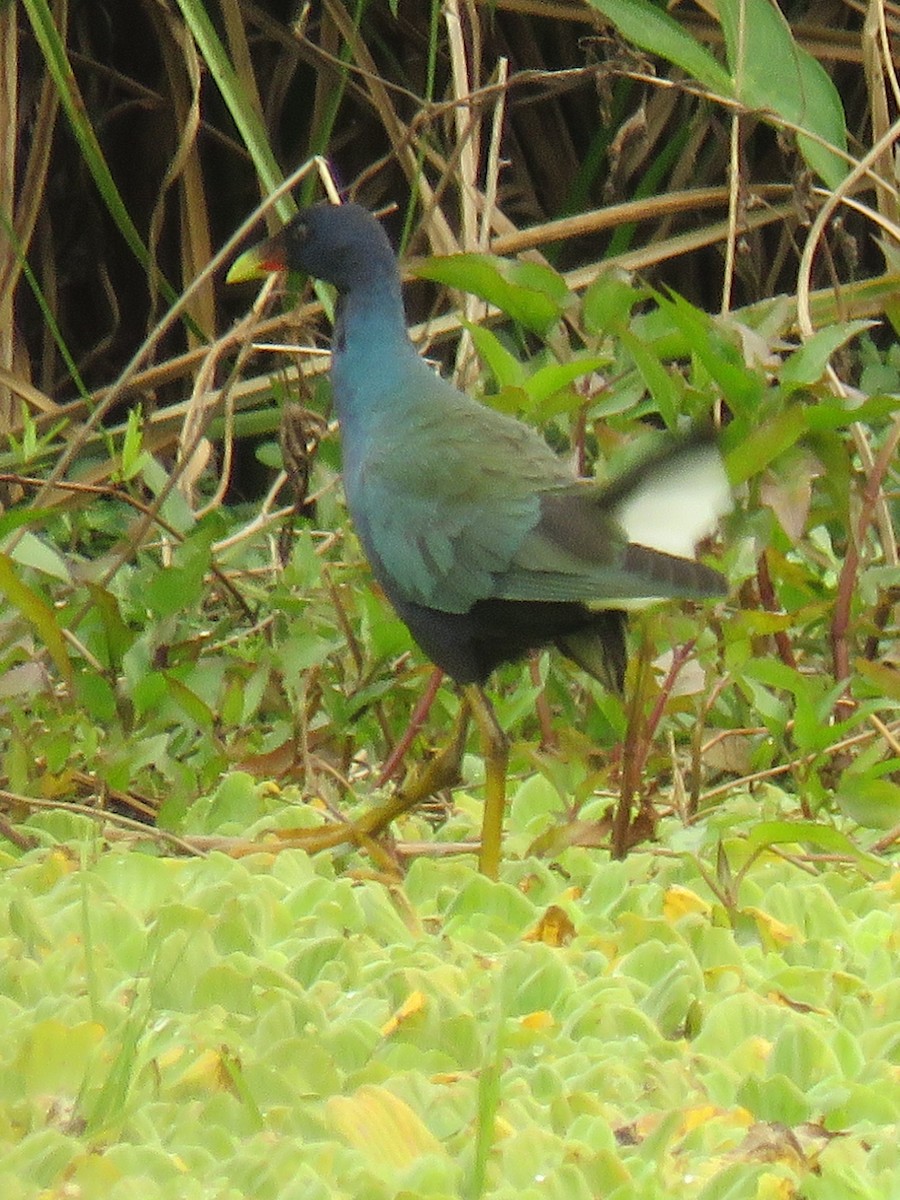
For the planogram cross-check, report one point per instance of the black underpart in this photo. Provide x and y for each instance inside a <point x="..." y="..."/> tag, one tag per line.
<point x="468" y="646"/>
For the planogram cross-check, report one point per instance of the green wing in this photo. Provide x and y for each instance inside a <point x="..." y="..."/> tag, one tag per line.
<point x="460" y="503"/>
<point x="446" y="498"/>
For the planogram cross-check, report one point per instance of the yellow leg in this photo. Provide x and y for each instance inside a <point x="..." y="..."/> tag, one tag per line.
<point x="496" y="759"/>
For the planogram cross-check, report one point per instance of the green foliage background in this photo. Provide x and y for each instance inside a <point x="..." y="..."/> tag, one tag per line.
<point x="227" y="973"/>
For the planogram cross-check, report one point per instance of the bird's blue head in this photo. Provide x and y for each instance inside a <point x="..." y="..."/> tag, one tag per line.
<point x="342" y="244"/>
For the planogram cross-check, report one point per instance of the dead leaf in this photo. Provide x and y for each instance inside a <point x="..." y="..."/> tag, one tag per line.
<point x="555" y="928"/>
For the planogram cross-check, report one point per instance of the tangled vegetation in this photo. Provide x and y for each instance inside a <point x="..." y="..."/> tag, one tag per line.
<point x="614" y="217"/>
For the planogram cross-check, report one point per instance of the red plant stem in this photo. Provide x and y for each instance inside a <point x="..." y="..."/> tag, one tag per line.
<point x="420" y="712"/>
<point x="770" y="604"/>
<point x="541" y="704"/>
<point x="680" y="655"/>
<point x="840" y="622"/>
<point x="638" y="739"/>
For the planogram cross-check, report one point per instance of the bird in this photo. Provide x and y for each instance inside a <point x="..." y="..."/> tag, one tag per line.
<point x="485" y="540"/>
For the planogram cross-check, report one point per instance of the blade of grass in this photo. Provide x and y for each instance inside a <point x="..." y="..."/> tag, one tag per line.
<point x="243" y="112"/>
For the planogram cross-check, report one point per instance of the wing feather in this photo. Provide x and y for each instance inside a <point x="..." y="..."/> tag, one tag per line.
<point x="444" y="499"/>
<point x="458" y="503"/>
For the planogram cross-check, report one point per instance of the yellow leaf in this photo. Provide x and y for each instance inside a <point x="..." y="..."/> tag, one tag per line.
<point x="542" y="1019"/>
<point x="773" y="930"/>
<point x="205" y="1074"/>
<point x="679" y="901"/>
<point x="797" y="1005"/>
<point x="383" y="1127"/>
<point x="169" y="1057"/>
<point x="63" y="784"/>
<point x="54" y="1055"/>
<point x="775" y="1187"/>
<point x="553" y="929"/>
<point x="414" y="1003"/>
<point x="702" y="1114"/>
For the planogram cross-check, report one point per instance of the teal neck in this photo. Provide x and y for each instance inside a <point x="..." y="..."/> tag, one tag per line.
<point x="371" y="350"/>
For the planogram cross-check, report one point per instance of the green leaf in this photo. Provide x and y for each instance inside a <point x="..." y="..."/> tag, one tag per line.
<point x="531" y="294"/>
<point x="190" y="703"/>
<point x="37" y="612"/>
<point x="652" y="29"/>
<point x="133" y="454"/>
<point x="148" y="690"/>
<point x="831" y="413"/>
<point x="874" y="803"/>
<point x="96" y="696"/>
<point x="762" y="444"/>
<point x="553" y="377"/>
<point x="770" y="71"/>
<point x="15" y="518"/>
<point x="35" y="552"/>
<point x="505" y="367"/>
<point x="116" y="636"/>
<point x="608" y="302"/>
<point x="178" y="587"/>
<point x="883" y="677"/>
<point x="806" y="366"/>
<point x="235" y="802"/>
<point x="721" y="358"/>
<point x="659" y="383"/>
<point x="779" y="833"/>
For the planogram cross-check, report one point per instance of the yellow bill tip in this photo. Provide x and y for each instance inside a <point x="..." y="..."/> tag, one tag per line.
<point x="258" y="261"/>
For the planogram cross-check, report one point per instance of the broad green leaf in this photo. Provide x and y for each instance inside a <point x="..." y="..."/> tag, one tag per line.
<point x="15" y="518"/>
<point x="175" y="510"/>
<point x="188" y="700"/>
<point x="37" y="612"/>
<point x="831" y="413"/>
<point x="608" y="302"/>
<point x="118" y="638"/>
<point x="506" y="369"/>
<point x="771" y="71"/>
<point x="806" y="366"/>
<point x="96" y="696"/>
<point x="542" y="278"/>
<point x="767" y="69"/>
<point x="178" y="587"/>
<point x="780" y="833"/>
<point x="36" y="552"/>
<point x="649" y="27"/>
<point x="743" y="387"/>
<point x="763" y="443"/>
<point x="147" y="689"/>
<point x="659" y="383"/>
<point x="527" y="292"/>
<point x="882" y="676"/>
<point x="552" y="378"/>
<point x="874" y="803"/>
